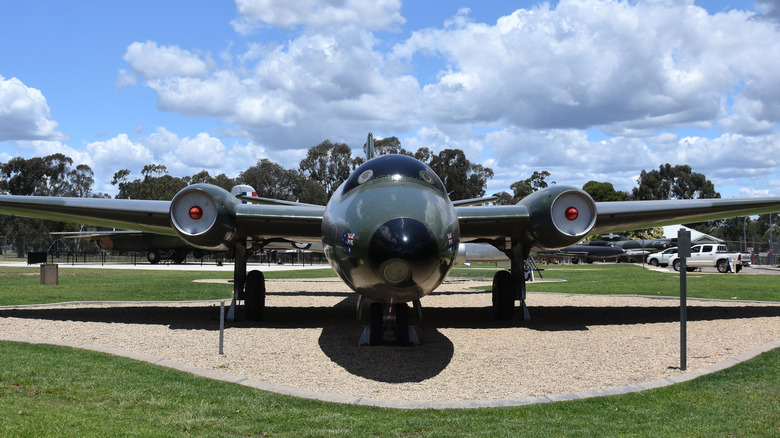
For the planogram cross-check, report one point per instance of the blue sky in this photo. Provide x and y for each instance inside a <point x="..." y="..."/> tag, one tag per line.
<point x="585" y="89"/>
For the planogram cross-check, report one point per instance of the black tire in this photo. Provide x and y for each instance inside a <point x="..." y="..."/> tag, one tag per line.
<point x="402" y="324"/>
<point x="676" y="265"/>
<point x="503" y="296"/>
<point x="653" y="262"/>
<point x="153" y="257"/>
<point x="255" y="295"/>
<point x="377" y="327"/>
<point x="723" y="266"/>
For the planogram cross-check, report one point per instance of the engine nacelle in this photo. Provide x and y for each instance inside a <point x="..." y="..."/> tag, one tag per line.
<point x="204" y="216"/>
<point x="560" y="216"/>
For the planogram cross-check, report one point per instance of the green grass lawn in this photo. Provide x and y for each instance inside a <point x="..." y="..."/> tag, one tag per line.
<point x="62" y="392"/>
<point x="22" y="285"/>
<point x="56" y="391"/>
<point x="621" y="278"/>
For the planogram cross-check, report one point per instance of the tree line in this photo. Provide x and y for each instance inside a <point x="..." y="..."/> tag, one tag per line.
<point x="318" y="175"/>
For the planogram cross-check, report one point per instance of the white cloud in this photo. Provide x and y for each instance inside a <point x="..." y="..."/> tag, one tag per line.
<point x="119" y="153"/>
<point x="370" y="14"/>
<point x="125" y="78"/>
<point x="632" y="67"/>
<point x="24" y="113"/>
<point x="538" y="80"/>
<point x="152" y="61"/>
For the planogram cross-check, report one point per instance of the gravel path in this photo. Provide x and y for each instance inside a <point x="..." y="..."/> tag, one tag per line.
<point x="309" y="340"/>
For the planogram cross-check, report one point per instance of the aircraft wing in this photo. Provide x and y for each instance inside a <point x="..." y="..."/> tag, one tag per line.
<point x="151" y="216"/>
<point x="228" y="219"/>
<point x="540" y="220"/>
<point x="629" y="215"/>
<point x="561" y="216"/>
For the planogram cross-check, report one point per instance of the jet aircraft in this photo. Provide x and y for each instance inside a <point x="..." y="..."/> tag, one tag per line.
<point x="587" y="252"/>
<point x="389" y="231"/>
<point x="129" y="240"/>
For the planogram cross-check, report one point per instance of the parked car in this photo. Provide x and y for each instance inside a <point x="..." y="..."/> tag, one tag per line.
<point x="661" y="258"/>
<point x="711" y="255"/>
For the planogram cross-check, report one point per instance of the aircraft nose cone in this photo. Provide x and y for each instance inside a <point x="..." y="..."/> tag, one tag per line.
<point x="403" y="252"/>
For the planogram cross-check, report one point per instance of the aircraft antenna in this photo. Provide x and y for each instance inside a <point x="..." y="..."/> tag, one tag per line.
<point x="370" y="147"/>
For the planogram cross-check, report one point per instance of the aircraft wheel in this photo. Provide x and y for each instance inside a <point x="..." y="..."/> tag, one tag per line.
<point x="377" y="330"/>
<point x="153" y="257"/>
<point x="503" y="296"/>
<point x="676" y="265"/>
<point x="402" y="324"/>
<point x="723" y="266"/>
<point x="255" y="295"/>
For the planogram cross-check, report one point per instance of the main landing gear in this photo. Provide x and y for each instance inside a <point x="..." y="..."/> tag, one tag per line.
<point x="388" y="318"/>
<point x="249" y="287"/>
<point x="509" y="286"/>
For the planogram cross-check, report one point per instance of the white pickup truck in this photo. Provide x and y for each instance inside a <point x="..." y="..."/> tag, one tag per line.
<point x="661" y="258"/>
<point x="709" y="255"/>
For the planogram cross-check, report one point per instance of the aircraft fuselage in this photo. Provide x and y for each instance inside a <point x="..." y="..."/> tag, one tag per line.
<point x="390" y="231"/>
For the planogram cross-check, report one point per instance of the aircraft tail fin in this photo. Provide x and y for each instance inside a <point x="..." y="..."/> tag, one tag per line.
<point x="369" y="148"/>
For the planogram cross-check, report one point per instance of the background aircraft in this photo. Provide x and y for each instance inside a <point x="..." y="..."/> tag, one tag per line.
<point x="390" y="231"/>
<point x="157" y="246"/>
<point x="632" y="244"/>
<point x="586" y="252"/>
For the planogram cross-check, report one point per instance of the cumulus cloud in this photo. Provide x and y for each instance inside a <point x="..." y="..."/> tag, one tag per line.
<point x="152" y="61"/>
<point x="119" y="153"/>
<point x="370" y="14"/>
<point x="306" y="84"/>
<point x="633" y="67"/>
<point x="24" y="113"/>
<point x="770" y="9"/>
<point x="527" y="88"/>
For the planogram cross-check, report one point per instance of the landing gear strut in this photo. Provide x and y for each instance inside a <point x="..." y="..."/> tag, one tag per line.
<point x="248" y="287"/>
<point x="510" y="286"/>
<point x="389" y="317"/>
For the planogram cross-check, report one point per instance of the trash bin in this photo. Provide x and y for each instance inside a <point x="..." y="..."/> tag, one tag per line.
<point x="50" y="273"/>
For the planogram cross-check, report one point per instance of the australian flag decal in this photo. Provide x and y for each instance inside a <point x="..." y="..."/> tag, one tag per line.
<point x="348" y="242"/>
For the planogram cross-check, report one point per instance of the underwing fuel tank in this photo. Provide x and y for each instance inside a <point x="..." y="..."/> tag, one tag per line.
<point x="390" y="231"/>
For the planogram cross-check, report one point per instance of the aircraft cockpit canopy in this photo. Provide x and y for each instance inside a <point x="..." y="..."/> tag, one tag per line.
<point x="397" y="167"/>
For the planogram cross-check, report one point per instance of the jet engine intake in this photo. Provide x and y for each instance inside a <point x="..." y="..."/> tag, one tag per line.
<point x="560" y="216"/>
<point x="201" y="215"/>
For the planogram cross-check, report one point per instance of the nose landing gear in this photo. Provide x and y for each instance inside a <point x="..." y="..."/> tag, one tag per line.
<point x="389" y="317"/>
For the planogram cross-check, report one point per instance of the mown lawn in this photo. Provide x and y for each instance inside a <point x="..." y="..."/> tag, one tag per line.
<point x="621" y="278"/>
<point x="56" y="391"/>
<point x="22" y="285"/>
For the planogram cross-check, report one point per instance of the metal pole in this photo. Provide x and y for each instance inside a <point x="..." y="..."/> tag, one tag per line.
<point x="221" y="326"/>
<point x="683" y="315"/>
<point x="684" y="251"/>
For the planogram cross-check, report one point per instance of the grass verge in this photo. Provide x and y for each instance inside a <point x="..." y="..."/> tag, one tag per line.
<point x="621" y="278"/>
<point x="56" y="391"/>
<point x="22" y="285"/>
